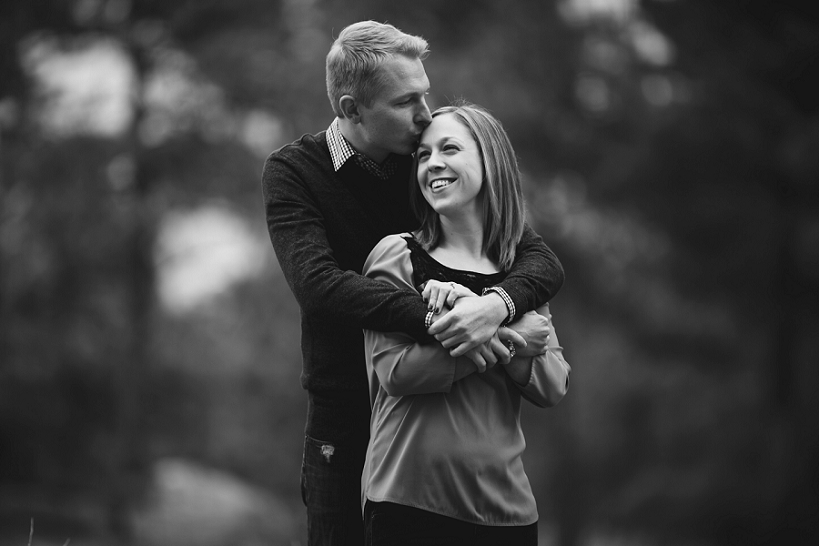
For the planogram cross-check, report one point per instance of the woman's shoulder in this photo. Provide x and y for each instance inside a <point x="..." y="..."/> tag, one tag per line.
<point x="388" y="249"/>
<point x="395" y="242"/>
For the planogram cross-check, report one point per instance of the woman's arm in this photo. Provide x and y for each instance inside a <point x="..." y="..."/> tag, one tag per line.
<point x="403" y="366"/>
<point x="542" y="379"/>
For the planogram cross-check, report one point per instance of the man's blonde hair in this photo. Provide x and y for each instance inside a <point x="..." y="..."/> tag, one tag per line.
<point x="354" y="60"/>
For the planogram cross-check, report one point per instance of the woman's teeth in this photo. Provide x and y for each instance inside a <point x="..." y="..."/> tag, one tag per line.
<point x="440" y="183"/>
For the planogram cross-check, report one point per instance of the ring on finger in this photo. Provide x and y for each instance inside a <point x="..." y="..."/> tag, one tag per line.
<point x="511" y="347"/>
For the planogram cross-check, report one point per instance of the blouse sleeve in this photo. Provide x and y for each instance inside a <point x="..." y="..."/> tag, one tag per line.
<point x="549" y="379"/>
<point x="399" y="364"/>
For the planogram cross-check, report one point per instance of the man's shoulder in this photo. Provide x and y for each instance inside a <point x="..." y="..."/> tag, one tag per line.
<point x="307" y="146"/>
<point x="305" y="161"/>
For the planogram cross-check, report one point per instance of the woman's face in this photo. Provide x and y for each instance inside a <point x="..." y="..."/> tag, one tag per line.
<point x="450" y="169"/>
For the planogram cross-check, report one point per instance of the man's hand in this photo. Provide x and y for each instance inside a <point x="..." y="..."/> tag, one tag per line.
<point x="534" y="327"/>
<point x="472" y="322"/>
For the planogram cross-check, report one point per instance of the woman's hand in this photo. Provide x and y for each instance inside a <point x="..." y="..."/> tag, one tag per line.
<point x="494" y="351"/>
<point x="535" y="327"/>
<point x="440" y="295"/>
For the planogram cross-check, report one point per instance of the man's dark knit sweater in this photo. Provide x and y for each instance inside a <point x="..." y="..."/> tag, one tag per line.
<point x="323" y="225"/>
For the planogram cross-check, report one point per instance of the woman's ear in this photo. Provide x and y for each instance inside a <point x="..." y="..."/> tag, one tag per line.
<point x="349" y="108"/>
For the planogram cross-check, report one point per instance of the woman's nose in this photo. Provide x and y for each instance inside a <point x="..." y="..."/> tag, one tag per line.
<point x="434" y="162"/>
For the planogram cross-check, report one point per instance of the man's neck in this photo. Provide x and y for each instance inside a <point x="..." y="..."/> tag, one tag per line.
<point x="349" y="130"/>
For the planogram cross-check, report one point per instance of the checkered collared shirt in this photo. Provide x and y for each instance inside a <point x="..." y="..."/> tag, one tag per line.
<point x="341" y="151"/>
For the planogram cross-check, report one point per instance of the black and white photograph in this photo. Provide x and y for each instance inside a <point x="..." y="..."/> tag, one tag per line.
<point x="374" y="273"/>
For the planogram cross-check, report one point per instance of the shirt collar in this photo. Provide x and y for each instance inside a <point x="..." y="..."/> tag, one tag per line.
<point x="341" y="151"/>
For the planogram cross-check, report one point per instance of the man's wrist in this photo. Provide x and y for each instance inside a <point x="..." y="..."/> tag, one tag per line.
<point x="510" y="305"/>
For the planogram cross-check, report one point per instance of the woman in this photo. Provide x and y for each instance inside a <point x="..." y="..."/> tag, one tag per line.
<point x="444" y="460"/>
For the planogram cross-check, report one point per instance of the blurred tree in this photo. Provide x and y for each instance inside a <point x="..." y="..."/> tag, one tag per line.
<point x="77" y="291"/>
<point x="669" y="151"/>
<point x="698" y="118"/>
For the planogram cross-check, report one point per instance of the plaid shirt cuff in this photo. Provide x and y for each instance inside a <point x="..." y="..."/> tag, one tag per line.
<point x="510" y="305"/>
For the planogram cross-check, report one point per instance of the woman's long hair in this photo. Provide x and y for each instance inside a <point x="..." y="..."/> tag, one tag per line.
<point x="503" y="211"/>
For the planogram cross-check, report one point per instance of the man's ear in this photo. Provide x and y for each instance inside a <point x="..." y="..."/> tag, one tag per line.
<point x="349" y="108"/>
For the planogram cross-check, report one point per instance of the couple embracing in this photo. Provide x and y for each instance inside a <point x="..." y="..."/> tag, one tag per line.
<point x="424" y="311"/>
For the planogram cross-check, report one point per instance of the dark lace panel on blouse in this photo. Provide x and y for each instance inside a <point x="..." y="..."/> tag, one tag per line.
<point x="425" y="267"/>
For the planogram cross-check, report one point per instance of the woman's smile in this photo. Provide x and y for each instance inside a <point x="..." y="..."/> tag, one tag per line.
<point x="450" y="168"/>
<point x="440" y="183"/>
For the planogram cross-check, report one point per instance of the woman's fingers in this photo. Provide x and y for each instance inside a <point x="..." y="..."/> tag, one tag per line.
<point x="440" y="294"/>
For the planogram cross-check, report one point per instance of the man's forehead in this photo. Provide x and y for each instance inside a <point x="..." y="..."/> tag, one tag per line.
<point x="402" y="76"/>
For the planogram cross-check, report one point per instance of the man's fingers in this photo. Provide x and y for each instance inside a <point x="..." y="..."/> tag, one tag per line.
<point x="440" y="326"/>
<point x="459" y="349"/>
<point x="449" y="343"/>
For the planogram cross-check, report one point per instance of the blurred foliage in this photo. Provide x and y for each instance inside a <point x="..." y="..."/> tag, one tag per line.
<point x="669" y="150"/>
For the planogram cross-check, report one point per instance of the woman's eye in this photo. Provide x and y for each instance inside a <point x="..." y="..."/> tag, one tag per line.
<point x="423" y="155"/>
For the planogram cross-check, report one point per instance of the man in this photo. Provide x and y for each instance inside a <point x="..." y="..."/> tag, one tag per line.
<point x="329" y="198"/>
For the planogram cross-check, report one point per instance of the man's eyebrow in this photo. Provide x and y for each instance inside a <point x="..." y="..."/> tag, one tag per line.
<point x="412" y="94"/>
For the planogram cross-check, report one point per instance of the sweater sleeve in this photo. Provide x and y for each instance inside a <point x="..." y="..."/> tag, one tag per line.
<point x="400" y="365"/>
<point x="323" y="290"/>
<point x="536" y="275"/>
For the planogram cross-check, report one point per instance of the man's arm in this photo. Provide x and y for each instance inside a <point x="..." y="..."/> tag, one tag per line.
<point x="535" y="278"/>
<point x="297" y="230"/>
<point x="536" y="275"/>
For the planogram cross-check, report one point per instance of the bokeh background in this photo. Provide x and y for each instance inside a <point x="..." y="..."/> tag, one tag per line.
<point x="149" y="346"/>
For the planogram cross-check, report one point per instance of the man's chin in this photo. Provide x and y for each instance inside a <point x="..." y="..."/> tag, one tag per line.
<point x="411" y="148"/>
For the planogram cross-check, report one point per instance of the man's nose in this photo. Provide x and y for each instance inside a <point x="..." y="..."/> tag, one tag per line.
<point x="423" y="116"/>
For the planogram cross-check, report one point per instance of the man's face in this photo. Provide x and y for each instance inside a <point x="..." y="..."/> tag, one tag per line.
<point x="394" y="121"/>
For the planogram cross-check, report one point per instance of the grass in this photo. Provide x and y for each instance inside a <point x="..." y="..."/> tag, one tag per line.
<point x="31" y="535"/>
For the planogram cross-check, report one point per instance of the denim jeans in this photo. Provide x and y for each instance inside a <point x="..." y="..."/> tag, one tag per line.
<point x="331" y="491"/>
<point x="386" y="523"/>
